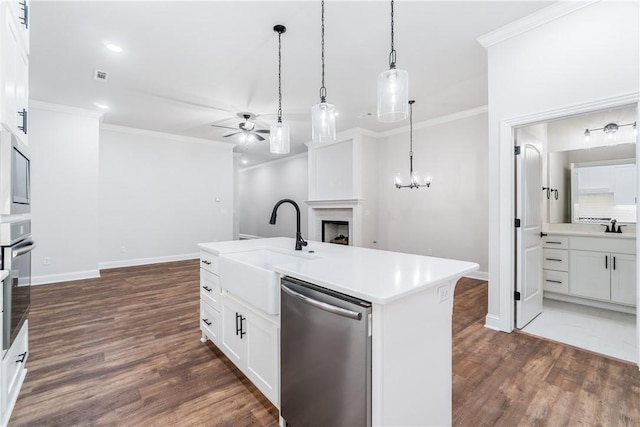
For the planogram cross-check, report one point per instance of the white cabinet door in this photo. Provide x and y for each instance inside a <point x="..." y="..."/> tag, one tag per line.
<point x="232" y="344"/>
<point x="9" y="48"/>
<point x="589" y="274"/>
<point x="262" y="345"/>
<point x="623" y="279"/>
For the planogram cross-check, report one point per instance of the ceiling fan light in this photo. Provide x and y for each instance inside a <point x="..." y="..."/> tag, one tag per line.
<point x="323" y="122"/>
<point x="279" y="138"/>
<point x="393" y="95"/>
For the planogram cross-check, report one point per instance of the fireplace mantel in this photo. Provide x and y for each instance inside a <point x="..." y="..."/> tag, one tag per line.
<point x="334" y="203"/>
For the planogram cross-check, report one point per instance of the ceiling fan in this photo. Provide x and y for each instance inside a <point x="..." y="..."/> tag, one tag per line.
<point x="248" y="128"/>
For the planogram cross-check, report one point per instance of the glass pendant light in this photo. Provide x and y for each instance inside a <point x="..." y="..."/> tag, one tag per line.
<point x="393" y="88"/>
<point x="323" y="115"/>
<point x="279" y="132"/>
<point x="414" y="177"/>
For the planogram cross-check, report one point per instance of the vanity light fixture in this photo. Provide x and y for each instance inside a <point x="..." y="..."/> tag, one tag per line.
<point x="279" y="132"/>
<point x="610" y="129"/>
<point x="413" y="176"/>
<point x="393" y="88"/>
<point x="323" y="115"/>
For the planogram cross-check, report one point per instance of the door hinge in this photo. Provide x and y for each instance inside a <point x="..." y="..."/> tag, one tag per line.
<point x="517" y="222"/>
<point x="516" y="296"/>
<point x="516" y="150"/>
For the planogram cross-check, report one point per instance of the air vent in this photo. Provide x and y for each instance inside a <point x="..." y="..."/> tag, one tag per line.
<point x="100" y="75"/>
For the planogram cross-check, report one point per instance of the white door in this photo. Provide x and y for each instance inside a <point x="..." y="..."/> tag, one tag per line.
<point x="528" y="238"/>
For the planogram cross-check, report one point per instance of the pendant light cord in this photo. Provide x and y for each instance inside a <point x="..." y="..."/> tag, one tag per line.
<point x="279" y="77"/>
<point x="323" y="90"/>
<point x="411" y="139"/>
<point x="392" y="54"/>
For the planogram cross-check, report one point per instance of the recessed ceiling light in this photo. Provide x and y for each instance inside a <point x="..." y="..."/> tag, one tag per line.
<point x="113" y="47"/>
<point x="102" y="106"/>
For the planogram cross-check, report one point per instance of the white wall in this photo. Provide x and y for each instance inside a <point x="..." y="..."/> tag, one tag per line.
<point x="64" y="184"/>
<point x="578" y="59"/>
<point x="260" y="188"/>
<point x="450" y="217"/>
<point x="158" y="195"/>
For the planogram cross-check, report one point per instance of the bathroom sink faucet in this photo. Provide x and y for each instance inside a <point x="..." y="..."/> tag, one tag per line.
<point x="299" y="240"/>
<point x="613" y="227"/>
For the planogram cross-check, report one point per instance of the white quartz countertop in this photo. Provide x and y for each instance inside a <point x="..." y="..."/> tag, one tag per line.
<point x="373" y="275"/>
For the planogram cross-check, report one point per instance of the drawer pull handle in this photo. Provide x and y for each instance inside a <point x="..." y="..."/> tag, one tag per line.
<point x="554" y="281"/>
<point x="22" y="357"/>
<point x="206" y="288"/>
<point x="204" y="261"/>
<point x="614" y="263"/>
<point x="207" y="322"/>
<point x="554" y="259"/>
<point x="606" y="262"/>
<point x="554" y="243"/>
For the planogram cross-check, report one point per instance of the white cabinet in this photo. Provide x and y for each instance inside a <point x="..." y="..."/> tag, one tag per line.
<point x="14" y="70"/>
<point x="251" y="341"/>
<point x="14" y="371"/>
<point x="603" y="269"/>
<point x="623" y="279"/>
<point x="210" y="296"/>
<point x="555" y="264"/>
<point x="248" y="337"/>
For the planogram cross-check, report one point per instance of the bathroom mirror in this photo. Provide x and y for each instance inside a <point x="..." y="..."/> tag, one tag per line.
<point x="593" y="184"/>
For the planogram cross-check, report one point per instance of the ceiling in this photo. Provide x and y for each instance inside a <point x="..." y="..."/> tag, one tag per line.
<point x="187" y="65"/>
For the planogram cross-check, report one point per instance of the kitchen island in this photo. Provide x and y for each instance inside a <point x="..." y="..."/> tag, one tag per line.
<point x="412" y="302"/>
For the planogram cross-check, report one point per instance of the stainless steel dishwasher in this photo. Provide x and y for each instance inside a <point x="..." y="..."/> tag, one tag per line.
<point x="325" y="353"/>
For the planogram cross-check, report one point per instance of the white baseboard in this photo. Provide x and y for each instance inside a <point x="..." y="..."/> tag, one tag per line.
<point x="65" y="277"/>
<point x="492" y="322"/>
<point x="480" y="275"/>
<point x="144" y="261"/>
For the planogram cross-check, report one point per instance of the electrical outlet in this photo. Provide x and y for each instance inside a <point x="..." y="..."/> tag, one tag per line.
<point x="429" y="252"/>
<point x="123" y="249"/>
<point x="46" y="261"/>
<point x="443" y="293"/>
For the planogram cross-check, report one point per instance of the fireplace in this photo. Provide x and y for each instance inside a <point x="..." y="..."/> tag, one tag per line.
<point x="335" y="232"/>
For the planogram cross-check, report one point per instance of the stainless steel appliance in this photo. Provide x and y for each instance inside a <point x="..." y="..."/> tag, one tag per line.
<point x="15" y="178"/>
<point x="16" y="246"/>
<point x="325" y="351"/>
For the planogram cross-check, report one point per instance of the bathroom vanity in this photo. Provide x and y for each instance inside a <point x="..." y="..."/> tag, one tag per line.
<point x="411" y="301"/>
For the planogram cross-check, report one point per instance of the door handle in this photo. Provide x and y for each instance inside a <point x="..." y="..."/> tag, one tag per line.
<point x="207" y="322"/>
<point x="242" y="332"/>
<point x="606" y="262"/>
<point x="614" y="263"/>
<point x="206" y="288"/>
<point x="23" y="114"/>
<point x="323" y="305"/>
<point x="22" y="356"/>
<point x="543" y="234"/>
<point x="23" y="249"/>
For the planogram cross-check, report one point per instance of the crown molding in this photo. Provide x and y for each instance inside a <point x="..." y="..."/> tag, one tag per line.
<point x="65" y="109"/>
<point x="534" y="20"/>
<point x="273" y="162"/>
<point x="165" y="136"/>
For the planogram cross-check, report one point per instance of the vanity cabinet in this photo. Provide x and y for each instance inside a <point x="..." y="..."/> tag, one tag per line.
<point x="251" y="341"/>
<point x="591" y="270"/>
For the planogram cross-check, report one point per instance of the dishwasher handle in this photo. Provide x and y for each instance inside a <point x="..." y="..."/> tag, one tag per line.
<point x="323" y="305"/>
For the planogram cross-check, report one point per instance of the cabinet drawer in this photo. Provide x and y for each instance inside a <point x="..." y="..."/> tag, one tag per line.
<point x="210" y="288"/>
<point x="604" y="244"/>
<point x="210" y="321"/>
<point x="555" y="259"/>
<point x="14" y="363"/>
<point x="556" y="281"/>
<point x="209" y="262"/>
<point x="555" y="242"/>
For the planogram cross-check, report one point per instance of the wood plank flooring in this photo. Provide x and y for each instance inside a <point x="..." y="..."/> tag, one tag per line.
<point x="124" y="350"/>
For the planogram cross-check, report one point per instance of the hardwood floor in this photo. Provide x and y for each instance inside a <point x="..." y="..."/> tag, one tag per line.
<point x="124" y="350"/>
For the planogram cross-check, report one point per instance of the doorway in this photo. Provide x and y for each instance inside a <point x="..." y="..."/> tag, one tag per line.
<point x="563" y="204"/>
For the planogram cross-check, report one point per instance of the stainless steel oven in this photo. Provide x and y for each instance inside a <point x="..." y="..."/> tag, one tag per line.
<point x="15" y="176"/>
<point x="16" y="246"/>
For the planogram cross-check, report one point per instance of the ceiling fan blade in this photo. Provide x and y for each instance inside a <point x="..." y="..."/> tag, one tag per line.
<point x="258" y="137"/>
<point x="262" y="130"/>
<point x="231" y="134"/>
<point x="224" y="127"/>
